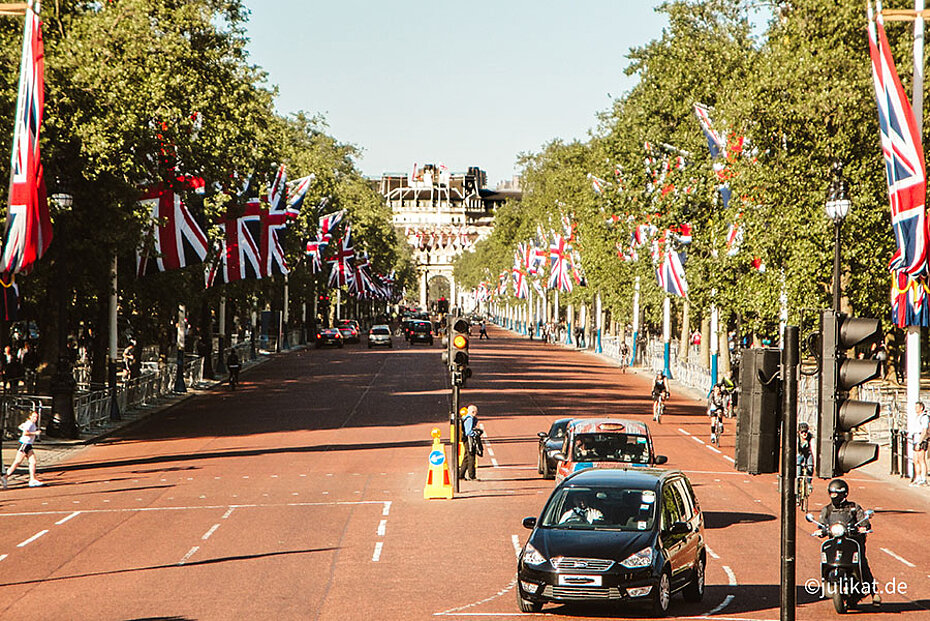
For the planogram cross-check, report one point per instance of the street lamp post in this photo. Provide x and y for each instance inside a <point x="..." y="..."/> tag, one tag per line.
<point x="837" y="207"/>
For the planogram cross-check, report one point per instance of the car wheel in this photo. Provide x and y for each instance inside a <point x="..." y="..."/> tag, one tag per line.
<point x="341" y="345"/>
<point x="662" y="596"/>
<point x="525" y="604"/>
<point x="694" y="592"/>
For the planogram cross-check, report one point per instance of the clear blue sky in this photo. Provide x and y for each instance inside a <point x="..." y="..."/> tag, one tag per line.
<point x="464" y="83"/>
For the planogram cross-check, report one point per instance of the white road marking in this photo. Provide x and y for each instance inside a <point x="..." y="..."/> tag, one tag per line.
<point x="494" y="462"/>
<point x="715" y="449"/>
<point x="730" y="575"/>
<point x="65" y="519"/>
<point x="516" y="544"/>
<point x="189" y="554"/>
<point x="377" y="555"/>
<point x="490" y="451"/>
<point x="387" y="507"/>
<point x="346" y="503"/>
<point x="698" y="440"/>
<point x="228" y="512"/>
<point x="382" y="527"/>
<point x="713" y="554"/>
<point x="895" y="556"/>
<point x="31" y="539"/>
<point x="3" y="556"/>
<point x="683" y="431"/>
<point x="212" y="530"/>
<point x="729" y="459"/>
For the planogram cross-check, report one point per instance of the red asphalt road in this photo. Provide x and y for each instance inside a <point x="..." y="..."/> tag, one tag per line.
<point x="300" y="497"/>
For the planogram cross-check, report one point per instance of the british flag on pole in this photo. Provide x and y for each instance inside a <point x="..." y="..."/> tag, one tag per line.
<point x="906" y="178"/>
<point x="175" y="239"/>
<point x="28" y="224"/>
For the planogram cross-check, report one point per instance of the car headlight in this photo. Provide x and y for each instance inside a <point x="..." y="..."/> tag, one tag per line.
<point x="837" y="530"/>
<point x="643" y="558"/>
<point x="531" y="555"/>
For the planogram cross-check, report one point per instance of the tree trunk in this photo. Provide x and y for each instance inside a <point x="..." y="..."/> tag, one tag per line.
<point x="724" y="355"/>
<point x="684" y="345"/>
<point x="705" y="340"/>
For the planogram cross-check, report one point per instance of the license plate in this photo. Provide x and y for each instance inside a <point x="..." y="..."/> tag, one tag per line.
<point x="573" y="580"/>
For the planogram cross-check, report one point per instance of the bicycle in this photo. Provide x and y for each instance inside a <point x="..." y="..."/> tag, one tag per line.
<point x="658" y="408"/>
<point x="716" y="428"/>
<point x="804" y="486"/>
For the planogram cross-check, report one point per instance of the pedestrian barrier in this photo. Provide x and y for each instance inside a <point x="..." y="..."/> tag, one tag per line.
<point x="438" y="481"/>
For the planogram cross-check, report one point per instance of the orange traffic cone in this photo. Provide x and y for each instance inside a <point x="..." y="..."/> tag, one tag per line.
<point x="438" y="481"/>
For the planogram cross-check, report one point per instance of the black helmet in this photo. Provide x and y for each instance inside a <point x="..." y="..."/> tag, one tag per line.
<point x="803" y="426"/>
<point x="840" y="488"/>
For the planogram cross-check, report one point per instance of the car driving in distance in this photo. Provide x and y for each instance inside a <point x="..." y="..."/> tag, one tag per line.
<point x="632" y="536"/>
<point x="550" y="444"/>
<point x="606" y="443"/>
<point x="349" y="329"/>
<point x="329" y="336"/>
<point x="379" y="335"/>
<point x="421" y="331"/>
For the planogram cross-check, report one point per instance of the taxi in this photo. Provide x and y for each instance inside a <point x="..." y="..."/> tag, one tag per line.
<point x="606" y="443"/>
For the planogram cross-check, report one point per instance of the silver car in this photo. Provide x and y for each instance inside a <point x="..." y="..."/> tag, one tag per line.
<point x="379" y="335"/>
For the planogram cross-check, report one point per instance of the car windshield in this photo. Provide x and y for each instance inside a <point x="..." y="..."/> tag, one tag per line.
<point x="380" y="330"/>
<point x="618" y="447"/>
<point x="608" y="508"/>
<point x="558" y="429"/>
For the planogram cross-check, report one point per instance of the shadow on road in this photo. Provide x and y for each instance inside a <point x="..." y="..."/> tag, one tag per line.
<point x="720" y="519"/>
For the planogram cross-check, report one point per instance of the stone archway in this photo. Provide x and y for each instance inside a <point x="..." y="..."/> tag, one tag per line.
<point x="438" y="286"/>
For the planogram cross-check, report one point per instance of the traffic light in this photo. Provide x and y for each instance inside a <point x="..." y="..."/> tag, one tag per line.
<point x="837" y="452"/>
<point x="758" y="411"/>
<point x="458" y="350"/>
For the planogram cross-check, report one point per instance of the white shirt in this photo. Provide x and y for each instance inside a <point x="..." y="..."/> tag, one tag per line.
<point x="29" y="429"/>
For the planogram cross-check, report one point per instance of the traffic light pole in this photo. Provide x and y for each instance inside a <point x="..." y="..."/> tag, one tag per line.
<point x="789" y="466"/>
<point x="455" y="438"/>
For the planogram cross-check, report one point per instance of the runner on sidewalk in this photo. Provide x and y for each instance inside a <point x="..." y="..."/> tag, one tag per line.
<point x="30" y="431"/>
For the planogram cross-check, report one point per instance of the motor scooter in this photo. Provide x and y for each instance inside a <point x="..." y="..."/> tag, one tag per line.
<point x="841" y="562"/>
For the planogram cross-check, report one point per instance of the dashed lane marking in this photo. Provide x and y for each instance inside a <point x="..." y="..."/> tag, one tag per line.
<point x="228" y="513"/>
<point x="31" y="539"/>
<point x="729" y="459"/>
<point x="494" y="462"/>
<point x="683" y="431"/>
<point x="715" y="449"/>
<point x="377" y="555"/>
<point x="212" y="530"/>
<point x="713" y="554"/>
<point x="3" y="556"/>
<point x="66" y="518"/>
<point x="382" y="527"/>
<point x="199" y="507"/>
<point x="698" y="440"/>
<point x="189" y="554"/>
<point x="387" y="507"/>
<point x="895" y="556"/>
<point x="515" y="540"/>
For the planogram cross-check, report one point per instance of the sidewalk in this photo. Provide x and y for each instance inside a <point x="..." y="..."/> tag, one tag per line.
<point x="52" y="451"/>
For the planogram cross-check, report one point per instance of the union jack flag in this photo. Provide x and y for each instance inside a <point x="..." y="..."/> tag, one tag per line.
<point x="28" y="224"/>
<point x="328" y="224"/>
<point x="520" y="287"/>
<point x="341" y="272"/>
<point x="671" y="274"/>
<point x="903" y="154"/>
<point x="296" y="191"/>
<point x="560" y="257"/>
<point x="175" y="237"/>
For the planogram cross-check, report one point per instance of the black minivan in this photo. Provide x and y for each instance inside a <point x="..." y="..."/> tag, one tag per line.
<point x="624" y="535"/>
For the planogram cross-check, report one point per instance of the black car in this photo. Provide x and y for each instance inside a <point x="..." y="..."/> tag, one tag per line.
<point x="421" y="331"/>
<point x="621" y="535"/>
<point x="550" y="444"/>
<point x="329" y="336"/>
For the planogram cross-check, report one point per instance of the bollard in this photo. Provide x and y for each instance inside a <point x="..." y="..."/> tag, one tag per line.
<point x="903" y="453"/>
<point x="894" y="451"/>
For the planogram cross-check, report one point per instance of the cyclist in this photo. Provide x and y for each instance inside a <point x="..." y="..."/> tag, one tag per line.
<point x="805" y="453"/>
<point x="716" y="409"/>
<point x="233" y="365"/>
<point x="659" y="393"/>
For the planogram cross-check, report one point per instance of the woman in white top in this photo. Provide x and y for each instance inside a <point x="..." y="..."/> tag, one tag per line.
<point x="30" y="431"/>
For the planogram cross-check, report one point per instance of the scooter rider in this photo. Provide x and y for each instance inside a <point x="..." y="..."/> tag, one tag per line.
<point x="847" y="512"/>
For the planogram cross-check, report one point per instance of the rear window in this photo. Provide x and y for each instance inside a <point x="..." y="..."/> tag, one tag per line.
<point x="380" y="331"/>
<point x="612" y="508"/>
<point x="614" y="447"/>
<point x="421" y="327"/>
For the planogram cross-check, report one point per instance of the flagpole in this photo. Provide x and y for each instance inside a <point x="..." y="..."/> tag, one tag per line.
<point x="635" y="321"/>
<point x="667" y="334"/>
<point x="569" y="317"/>
<point x="913" y="332"/>
<point x="114" y="342"/>
<point x="221" y="358"/>
<point x="714" y="341"/>
<point x="599" y="313"/>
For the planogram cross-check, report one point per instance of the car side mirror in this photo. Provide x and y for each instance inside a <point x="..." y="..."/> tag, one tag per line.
<point x="529" y="522"/>
<point x="679" y="528"/>
<point x="560" y="456"/>
<point x="542" y="434"/>
<point x="660" y="459"/>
